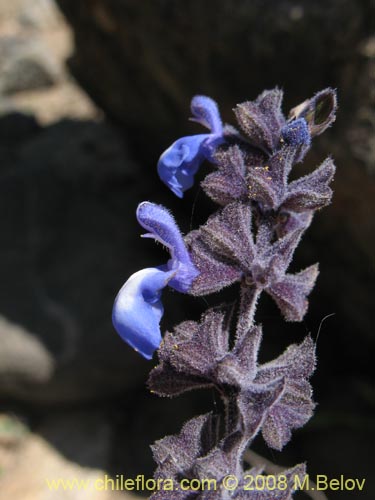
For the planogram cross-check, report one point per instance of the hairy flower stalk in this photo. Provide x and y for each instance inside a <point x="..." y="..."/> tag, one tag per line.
<point x="249" y="241"/>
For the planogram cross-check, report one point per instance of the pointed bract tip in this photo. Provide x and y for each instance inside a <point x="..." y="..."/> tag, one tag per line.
<point x="319" y="111"/>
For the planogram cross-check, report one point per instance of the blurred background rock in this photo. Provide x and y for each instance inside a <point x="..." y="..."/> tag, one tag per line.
<point x="78" y="148"/>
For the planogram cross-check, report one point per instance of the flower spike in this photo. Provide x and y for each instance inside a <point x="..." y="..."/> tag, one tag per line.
<point x="250" y="240"/>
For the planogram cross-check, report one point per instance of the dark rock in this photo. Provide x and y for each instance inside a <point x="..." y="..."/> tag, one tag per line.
<point x="156" y="54"/>
<point x="69" y="239"/>
<point x="72" y="434"/>
<point x="17" y="127"/>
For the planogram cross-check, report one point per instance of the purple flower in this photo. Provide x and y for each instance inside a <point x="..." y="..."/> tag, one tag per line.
<point x="181" y="161"/>
<point x="137" y="310"/>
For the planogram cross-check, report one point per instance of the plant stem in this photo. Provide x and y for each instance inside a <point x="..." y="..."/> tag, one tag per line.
<point x="248" y="303"/>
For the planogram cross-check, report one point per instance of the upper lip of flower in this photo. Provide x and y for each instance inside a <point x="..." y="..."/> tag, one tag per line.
<point x="138" y="309"/>
<point x="164" y="229"/>
<point x="180" y="162"/>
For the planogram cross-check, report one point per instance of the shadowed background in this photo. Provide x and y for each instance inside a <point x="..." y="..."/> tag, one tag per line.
<point x="78" y="149"/>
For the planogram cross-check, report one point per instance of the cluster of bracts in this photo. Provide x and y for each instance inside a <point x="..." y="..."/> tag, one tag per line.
<point x="249" y="240"/>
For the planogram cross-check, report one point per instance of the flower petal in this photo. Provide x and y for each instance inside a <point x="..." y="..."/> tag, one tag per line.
<point x="163" y="228"/>
<point x="180" y="162"/>
<point x="137" y="310"/>
<point x="206" y="113"/>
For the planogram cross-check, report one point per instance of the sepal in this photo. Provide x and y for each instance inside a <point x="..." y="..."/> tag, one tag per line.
<point x="319" y="111"/>
<point x="261" y="120"/>
<point x="311" y="192"/>
<point x="291" y="292"/>
<point x="228" y="182"/>
<point x="295" y="406"/>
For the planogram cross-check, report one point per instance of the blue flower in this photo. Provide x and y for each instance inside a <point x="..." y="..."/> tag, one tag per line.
<point x="296" y="133"/>
<point x="180" y="162"/>
<point x="137" y="310"/>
